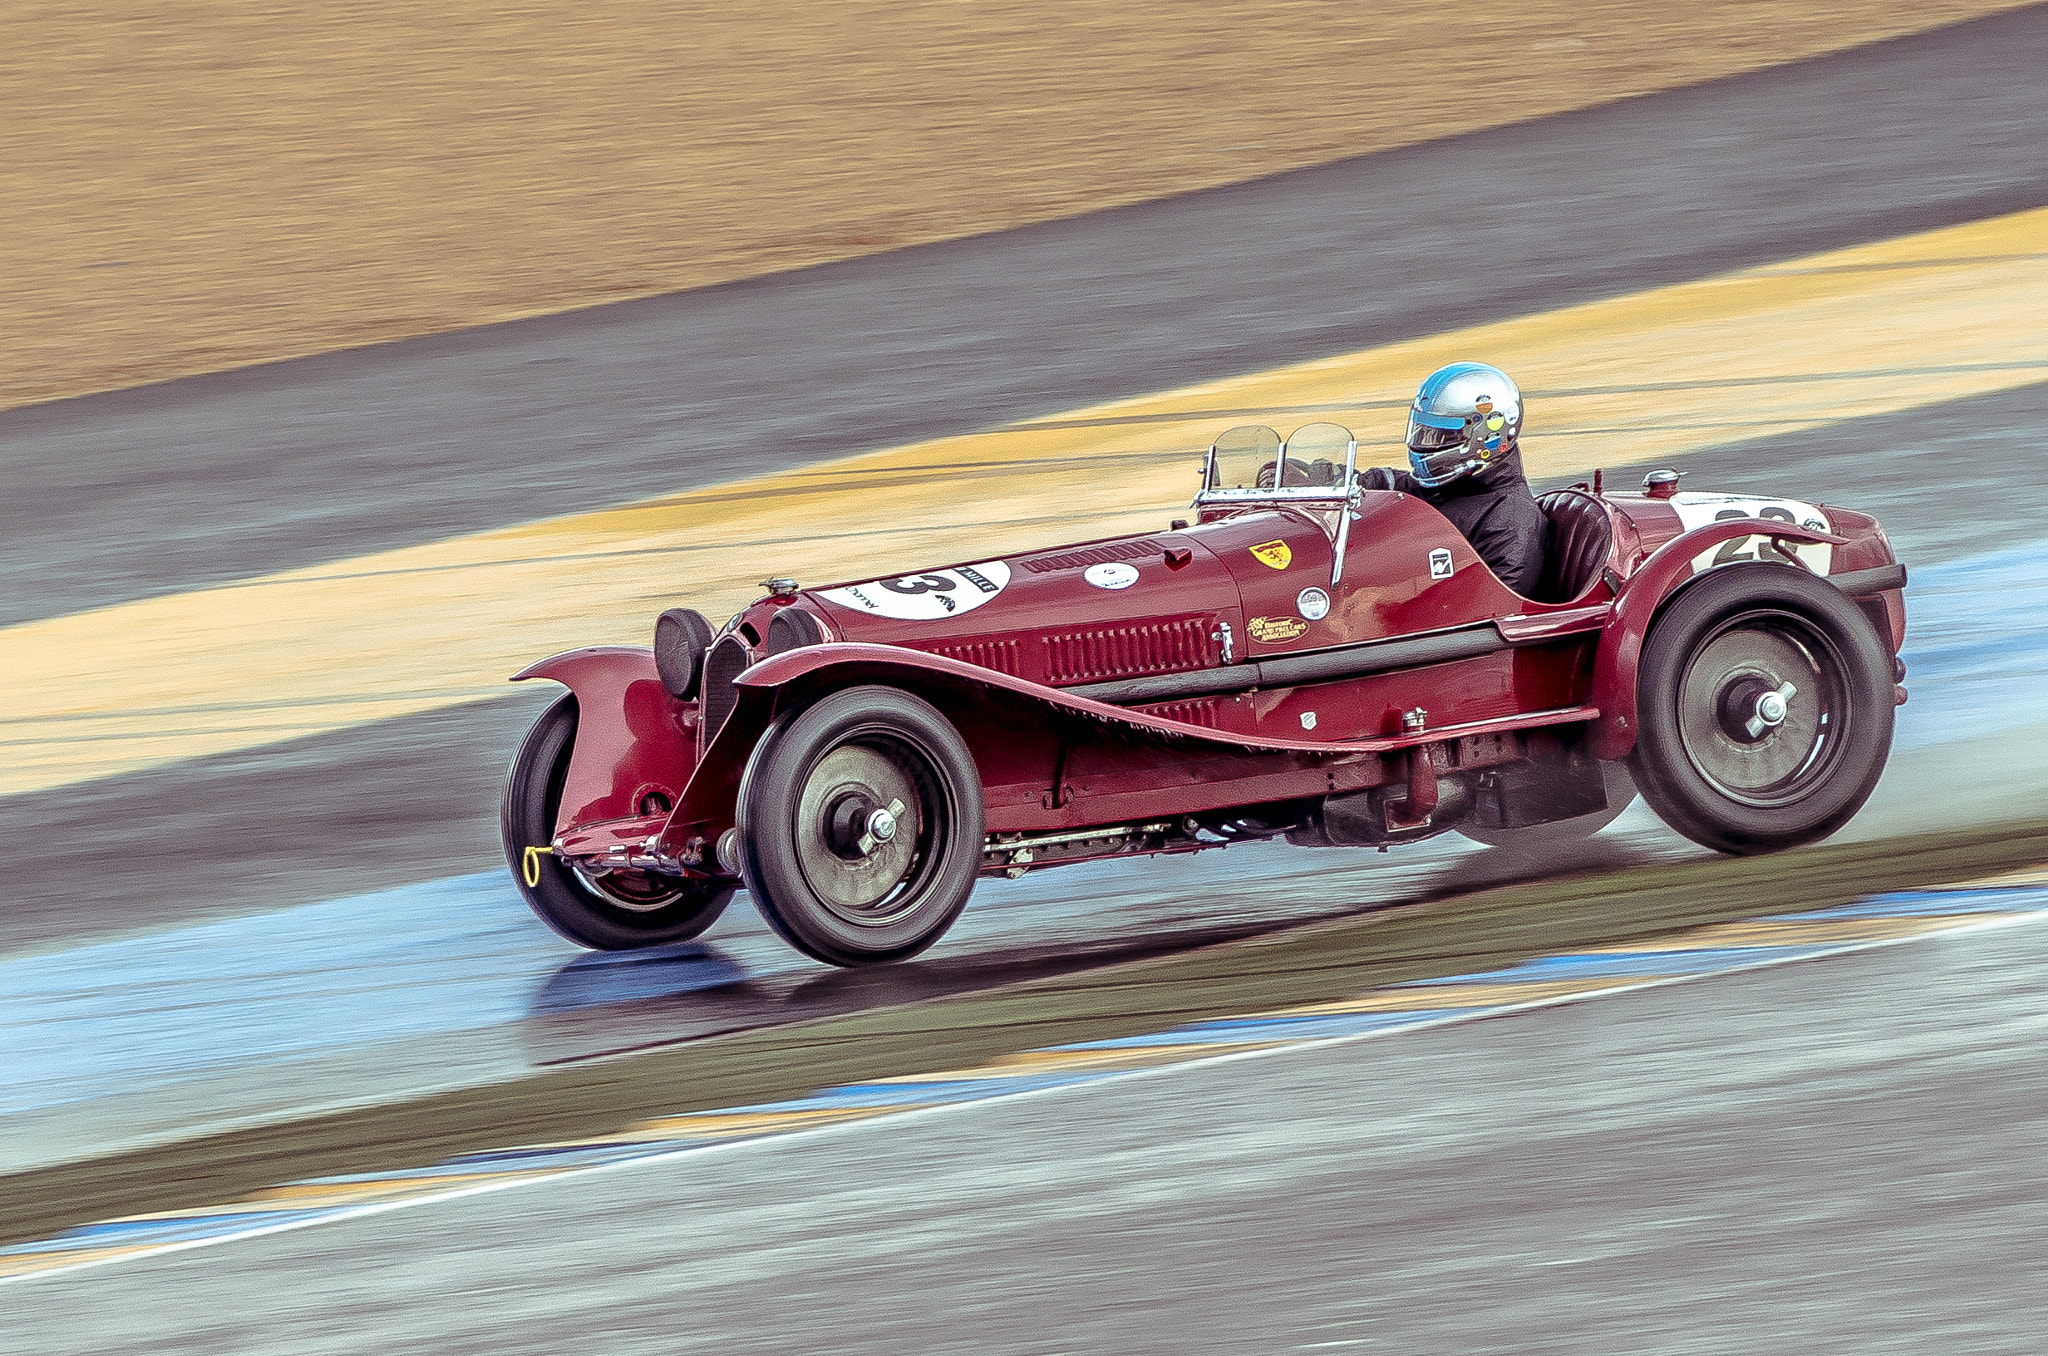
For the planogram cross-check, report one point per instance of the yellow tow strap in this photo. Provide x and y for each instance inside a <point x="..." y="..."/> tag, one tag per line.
<point x="530" y="868"/>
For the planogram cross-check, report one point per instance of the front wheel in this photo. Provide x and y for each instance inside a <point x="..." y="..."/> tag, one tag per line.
<point x="612" y="912"/>
<point x="1764" y="710"/>
<point x="861" y="826"/>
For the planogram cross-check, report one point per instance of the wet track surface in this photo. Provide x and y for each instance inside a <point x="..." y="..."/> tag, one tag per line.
<point x="327" y="922"/>
<point x="1830" y="1156"/>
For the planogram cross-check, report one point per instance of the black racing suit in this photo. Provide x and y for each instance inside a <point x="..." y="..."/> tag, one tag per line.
<point x="1494" y="508"/>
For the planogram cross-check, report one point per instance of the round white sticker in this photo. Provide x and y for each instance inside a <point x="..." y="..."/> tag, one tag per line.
<point x="1314" y="604"/>
<point x="1114" y="575"/>
<point x="931" y="596"/>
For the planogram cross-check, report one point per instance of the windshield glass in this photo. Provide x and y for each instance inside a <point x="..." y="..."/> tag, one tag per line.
<point x="1238" y="459"/>
<point x="1320" y="454"/>
<point x="1248" y="463"/>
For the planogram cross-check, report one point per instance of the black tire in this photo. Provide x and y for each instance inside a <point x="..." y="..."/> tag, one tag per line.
<point x="1709" y="759"/>
<point x="809" y="852"/>
<point x="618" y="912"/>
<point x="1621" y="793"/>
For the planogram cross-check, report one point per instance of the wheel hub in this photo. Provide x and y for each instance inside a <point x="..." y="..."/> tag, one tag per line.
<point x="882" y="823"/>
<point x="1754" y="715"/>
<point x="1770" y="710"/>
<point x="1750" y="708"/>
<point x="857" y="828"/>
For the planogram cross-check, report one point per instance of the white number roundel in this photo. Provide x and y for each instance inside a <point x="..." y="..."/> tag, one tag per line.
<point x="931" y="596"/>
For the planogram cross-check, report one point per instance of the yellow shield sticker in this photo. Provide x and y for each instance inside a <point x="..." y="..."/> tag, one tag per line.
<point x="1274" y="553"/>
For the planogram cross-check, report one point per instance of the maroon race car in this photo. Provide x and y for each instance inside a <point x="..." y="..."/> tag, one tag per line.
<point x="1306" y="659"/>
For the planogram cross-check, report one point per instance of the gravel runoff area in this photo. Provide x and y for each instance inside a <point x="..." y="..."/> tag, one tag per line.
<point x="201" y="186"/>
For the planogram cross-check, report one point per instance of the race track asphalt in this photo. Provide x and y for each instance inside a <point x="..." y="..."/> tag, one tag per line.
<point x="1839" y="1155"/>
<point x="1540" y="1137"/>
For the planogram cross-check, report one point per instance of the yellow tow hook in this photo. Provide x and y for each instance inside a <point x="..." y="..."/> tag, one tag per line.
<point x="530" y="868"/>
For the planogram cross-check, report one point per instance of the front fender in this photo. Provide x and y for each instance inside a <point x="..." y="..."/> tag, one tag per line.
<point x="1643" y="595"/>
<point x="633" y="740"/>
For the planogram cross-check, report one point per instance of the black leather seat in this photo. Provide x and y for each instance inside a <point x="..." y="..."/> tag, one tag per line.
<point x="1581" y="539"/>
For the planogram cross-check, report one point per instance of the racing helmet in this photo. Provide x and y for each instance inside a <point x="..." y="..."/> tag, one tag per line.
<point x="1466" y="417"/>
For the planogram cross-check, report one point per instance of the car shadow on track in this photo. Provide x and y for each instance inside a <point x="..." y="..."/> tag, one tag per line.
<point x="616" y="1003"/>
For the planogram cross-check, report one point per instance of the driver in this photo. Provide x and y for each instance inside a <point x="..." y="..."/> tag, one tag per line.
<point x="1462" y="442"/>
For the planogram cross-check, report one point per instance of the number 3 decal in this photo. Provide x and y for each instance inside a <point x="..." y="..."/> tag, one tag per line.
<point x="913" y="585"/>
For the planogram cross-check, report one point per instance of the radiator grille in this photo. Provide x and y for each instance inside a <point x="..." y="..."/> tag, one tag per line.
<point x="1095" y="555"/>
<point x="1000" y="655"/>
<point x="1126" y="651"/>
<point x="726" y="661"/>
<point x="1201" y="711"/>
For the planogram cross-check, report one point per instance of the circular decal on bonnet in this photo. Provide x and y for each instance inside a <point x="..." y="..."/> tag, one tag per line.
<point x="1312" y="603"/>
<point x="931" y="596"/>
<point x="1114" y="575"/>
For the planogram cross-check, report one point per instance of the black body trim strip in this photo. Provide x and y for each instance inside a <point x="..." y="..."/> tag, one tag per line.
<point x="1353" y="661"/>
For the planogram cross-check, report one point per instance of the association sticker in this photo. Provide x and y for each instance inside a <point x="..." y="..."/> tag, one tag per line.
<point x="931" y="596"/>
<point x="1111" y="575"/>
<point x="1312" y="603"/>
<point x="1308" y="720"/>
<point x="1276" y="630"/>
<point x="1440" y="563"/>
<point x="1273" y="553"/>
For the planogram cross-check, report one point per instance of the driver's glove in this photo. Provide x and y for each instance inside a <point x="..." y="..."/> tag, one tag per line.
<point x="1376" y="478"/>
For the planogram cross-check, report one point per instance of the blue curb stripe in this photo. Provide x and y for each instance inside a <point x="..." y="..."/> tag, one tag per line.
<point x="1543" y="980"/>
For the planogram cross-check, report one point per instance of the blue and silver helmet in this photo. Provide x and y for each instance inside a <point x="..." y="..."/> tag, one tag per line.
<point x="1465" y="417"/>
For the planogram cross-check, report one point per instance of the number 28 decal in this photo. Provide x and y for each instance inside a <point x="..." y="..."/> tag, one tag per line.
<point x="1698" y="510"/>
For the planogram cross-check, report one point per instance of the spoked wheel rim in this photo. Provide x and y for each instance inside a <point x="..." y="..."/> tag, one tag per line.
<point x="864" y="827"/>
<point x="633" y="891"/>
<point x="1762" y="710"/>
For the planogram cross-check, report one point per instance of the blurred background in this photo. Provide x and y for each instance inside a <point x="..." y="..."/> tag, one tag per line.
<point x="357" y="356"/>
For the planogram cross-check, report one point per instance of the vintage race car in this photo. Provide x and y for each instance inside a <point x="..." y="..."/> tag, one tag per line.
<point x="1305" y="659"/>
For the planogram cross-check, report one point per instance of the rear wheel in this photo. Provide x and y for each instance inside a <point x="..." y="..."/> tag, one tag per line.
<point x="1764" y="710"/>
<point x="861" y="826"/>
<point x="612" y="912"/>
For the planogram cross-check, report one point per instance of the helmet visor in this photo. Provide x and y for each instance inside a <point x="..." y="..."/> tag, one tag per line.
<point x="1430" y="432"/>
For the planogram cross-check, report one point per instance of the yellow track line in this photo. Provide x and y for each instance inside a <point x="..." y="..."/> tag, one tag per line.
<point x="1766" y="351"/>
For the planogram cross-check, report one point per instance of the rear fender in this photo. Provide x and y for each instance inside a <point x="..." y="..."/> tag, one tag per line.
<point x="1659" y="579"/>
<point x="633" y="740"/>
